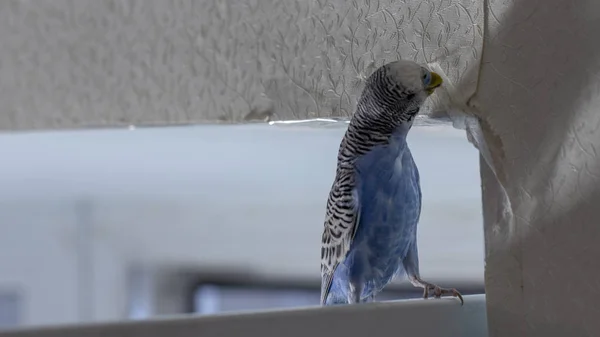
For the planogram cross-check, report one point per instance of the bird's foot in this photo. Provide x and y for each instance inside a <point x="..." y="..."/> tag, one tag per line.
<point x="437" y="291"/>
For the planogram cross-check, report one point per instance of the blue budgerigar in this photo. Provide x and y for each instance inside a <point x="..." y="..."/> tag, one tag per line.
<point x="370" y="232"/>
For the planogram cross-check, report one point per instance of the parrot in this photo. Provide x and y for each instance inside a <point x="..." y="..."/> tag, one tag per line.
<point x="374" y="204"/>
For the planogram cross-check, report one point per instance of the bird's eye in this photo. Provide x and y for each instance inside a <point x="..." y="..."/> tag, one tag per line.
<point x="426" y="77"/>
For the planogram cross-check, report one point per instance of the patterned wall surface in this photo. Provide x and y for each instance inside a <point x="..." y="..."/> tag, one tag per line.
<point x="66" y="63"/>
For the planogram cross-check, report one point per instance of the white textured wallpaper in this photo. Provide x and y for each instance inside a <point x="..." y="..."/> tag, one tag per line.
<point x="68" y="64"/>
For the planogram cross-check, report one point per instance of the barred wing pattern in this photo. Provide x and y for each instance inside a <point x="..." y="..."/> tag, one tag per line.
<point x="341" y="220"/>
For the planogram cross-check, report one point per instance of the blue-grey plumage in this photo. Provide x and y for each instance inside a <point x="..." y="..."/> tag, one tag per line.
<point x="370" y="232"/>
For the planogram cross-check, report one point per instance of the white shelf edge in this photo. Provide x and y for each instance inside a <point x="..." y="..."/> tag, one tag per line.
<point x="415" y="318"/>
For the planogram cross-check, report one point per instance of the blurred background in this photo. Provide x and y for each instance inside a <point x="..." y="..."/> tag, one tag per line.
<point x="133" y="223"/>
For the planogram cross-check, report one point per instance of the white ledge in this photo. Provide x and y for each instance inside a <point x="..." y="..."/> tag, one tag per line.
<point x="415" y="318"/>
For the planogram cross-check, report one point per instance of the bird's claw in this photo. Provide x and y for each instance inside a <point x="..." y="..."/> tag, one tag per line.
<point x="438" y="292"/>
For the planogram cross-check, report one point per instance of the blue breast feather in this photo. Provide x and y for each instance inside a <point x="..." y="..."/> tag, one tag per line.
<point x="389" y="196"/>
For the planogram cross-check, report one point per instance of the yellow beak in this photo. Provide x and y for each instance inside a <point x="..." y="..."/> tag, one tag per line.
<point x="436" y="81"/>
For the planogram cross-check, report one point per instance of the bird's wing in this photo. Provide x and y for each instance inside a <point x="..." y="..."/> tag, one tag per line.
<point x="341" y="220"/>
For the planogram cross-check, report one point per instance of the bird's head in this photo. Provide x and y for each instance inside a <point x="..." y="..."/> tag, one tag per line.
<point x="409" y="78"/>
<point x="401" y="86"/>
